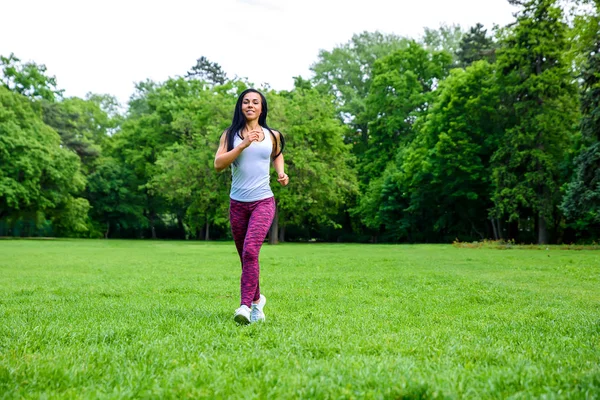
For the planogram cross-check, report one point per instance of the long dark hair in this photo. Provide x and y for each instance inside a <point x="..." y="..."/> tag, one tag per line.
<point x="239" y="121"/>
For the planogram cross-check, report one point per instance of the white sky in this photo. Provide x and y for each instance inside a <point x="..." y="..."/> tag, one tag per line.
<point x="106" y="46"/>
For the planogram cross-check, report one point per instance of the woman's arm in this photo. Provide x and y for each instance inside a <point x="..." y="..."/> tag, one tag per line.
<point x="279" y="164"/>
<point x="224" y="158"/>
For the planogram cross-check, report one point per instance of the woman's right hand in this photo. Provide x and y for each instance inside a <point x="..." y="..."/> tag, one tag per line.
<point x="249" y="137"/>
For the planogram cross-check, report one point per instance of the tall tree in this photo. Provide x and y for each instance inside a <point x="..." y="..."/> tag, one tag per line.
<point x="475" y="45"/>
<point x="162" y="118"/>
<point x="460" y="134"/>
<point x="38" y="178"/>
<point x="581" y="203"/>
<point x="439" y="186"/>
<point x="82" y="125"/>
<point x="208" y="71"/>
<point x="145" y="134"/>
<point x="540" y="112"/>
<point x="184" y="171"/>
<point x="446" y="38"/>
<point x="402" y="90"/>
<point x="317" y="160"/>
<point x="346" y="72"/>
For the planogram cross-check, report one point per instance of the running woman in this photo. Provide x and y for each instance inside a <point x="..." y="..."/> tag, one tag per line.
<point x="249" y="146"/>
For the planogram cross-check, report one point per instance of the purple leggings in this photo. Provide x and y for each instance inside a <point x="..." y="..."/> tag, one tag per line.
<point x="250" y="223"/>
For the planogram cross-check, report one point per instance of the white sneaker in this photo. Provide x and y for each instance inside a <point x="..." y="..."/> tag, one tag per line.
<point x="257" y="313"/>
<point x="262" y="301"/>
<point x="242" y="315"/>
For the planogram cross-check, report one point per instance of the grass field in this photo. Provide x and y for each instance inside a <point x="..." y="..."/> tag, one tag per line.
<point x="153" y="319"/>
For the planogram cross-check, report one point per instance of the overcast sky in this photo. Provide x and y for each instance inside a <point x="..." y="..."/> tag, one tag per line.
<point x="106" y="46"/>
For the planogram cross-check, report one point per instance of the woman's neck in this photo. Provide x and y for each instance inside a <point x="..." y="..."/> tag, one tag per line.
<point x="252" y="125"/>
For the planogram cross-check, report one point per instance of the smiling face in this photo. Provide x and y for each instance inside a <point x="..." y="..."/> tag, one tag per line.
<point x="251" y="106"/>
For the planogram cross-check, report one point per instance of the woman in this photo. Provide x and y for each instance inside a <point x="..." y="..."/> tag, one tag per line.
<point x="249" y="145"/>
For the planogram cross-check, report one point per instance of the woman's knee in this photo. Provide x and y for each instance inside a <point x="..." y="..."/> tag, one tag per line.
<point x="250" y="256"/>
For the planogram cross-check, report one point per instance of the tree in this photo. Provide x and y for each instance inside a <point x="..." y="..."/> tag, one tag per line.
<point x="540" y="112"/>
<point x="346" y="73"/>
<point x="82" y="125"/>
<point x="185" y="173"/>
<point x="446" y="38"/>
<point x="167" y="126"/>
<point x="581" y="203"/>
<point x="145" y="133"/>
<point x="39" y="179"/>
<point x="116" y="203"/>
<point x="28" y="79"/>
<point x="475" y="45"/>
<point x="207" y="71"/>
<point x="317" y="160"/>
<point x="450" y="182"/>
<point x="402" y="90"/>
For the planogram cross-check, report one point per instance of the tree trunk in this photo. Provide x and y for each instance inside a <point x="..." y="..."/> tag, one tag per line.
<point x="107" y="230"/>
<point x="513" y="231"/>
<point x="181" y="226"/>
<point x="207" y="231"/>
<point x="152" y="227"/>
<point x="542" y="230"/>
<point x="273" y="239"/>
<point x="496" y="237"/>
<point x="500" y="229"/>
<point x="282" y="234"/>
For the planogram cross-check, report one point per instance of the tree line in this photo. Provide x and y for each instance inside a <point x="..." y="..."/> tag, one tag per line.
<point x="464" y="135"/>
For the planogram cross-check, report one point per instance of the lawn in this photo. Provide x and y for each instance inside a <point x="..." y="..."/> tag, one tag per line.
<point x="154" y="319"/>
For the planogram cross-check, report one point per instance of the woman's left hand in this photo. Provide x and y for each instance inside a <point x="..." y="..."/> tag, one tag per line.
<point x="283" y="179"/>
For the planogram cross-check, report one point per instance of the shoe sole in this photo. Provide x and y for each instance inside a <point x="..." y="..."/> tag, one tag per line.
<point x="258" y="320"/>
<point x="241" y="319"/>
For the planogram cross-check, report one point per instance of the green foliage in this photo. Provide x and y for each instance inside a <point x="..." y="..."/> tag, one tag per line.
<point x="37" y="176"/>
<point x="581" y="203"/>
<point x="581" y="38"/>
<point x="383" y="205"/>
<point x="146" y="133"/>
<point x="384" y="142"/>
<point x="185" y="173"/>
<point x="82" y="125"/>
<point x="540" y="114"/>
<point x="475" y="45"/>
<point x="346" y="72"/>
<point x="72" y="219"/>
<point x="116" y="203"/>
<point x="28" y="79"/>
<point x="402" y="90"/>
<point x="446" y="38"/>
<point x="450" y="181"/>
<point x="186" y="177"/>
<point x="207" y="71"/>
<point x="317" y="160"/>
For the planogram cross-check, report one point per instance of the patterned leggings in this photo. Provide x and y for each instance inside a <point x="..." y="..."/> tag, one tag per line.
<point x="250" y="223"/>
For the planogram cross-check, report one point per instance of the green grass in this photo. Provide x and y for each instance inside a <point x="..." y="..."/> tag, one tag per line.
<point x="143" y="319"/>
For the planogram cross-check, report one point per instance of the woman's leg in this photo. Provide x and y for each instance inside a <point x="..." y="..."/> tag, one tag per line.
<point x="239" y="214"/>
<point x="261" y="218"/>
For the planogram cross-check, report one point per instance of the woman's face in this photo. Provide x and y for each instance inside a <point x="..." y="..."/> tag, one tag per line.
<point x="251" y="105"/>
